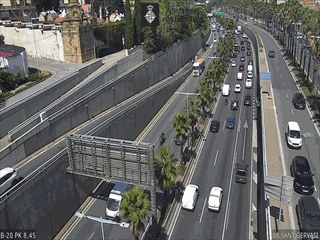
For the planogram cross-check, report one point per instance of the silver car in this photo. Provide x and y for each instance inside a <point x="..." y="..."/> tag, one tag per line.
<point x="8" y="178"/>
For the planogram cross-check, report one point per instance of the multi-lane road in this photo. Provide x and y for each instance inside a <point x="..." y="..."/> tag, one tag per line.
<point x="215" y="167"/>
<point x="284" y="86"/>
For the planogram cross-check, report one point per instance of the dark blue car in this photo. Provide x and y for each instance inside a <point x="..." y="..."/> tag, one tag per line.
<point x="230" y="122"/>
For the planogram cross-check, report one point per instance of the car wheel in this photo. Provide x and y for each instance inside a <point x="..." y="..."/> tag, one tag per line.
<point x="14" y="182"/>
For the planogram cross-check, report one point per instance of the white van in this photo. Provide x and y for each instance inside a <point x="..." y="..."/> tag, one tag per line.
<point x="293" y="135"/>
<point x="250" y="68"/>
<point x="226" y="90"/>
<point x="239" y="76"/>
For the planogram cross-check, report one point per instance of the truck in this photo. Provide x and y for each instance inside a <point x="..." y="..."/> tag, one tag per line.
<point x="239" y="29"/>
<point x="198" y="67"/>
<point x="114" y="201"/>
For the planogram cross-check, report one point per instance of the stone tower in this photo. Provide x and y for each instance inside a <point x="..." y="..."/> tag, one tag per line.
<point x="77" y="35"/>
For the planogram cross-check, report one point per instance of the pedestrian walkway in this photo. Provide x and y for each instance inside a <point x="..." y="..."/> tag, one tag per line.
<point x="59" y="70"/>
<point x="274" y="159"/>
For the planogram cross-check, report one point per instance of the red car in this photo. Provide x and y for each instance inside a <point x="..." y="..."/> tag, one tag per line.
<point x="241" y="67"/>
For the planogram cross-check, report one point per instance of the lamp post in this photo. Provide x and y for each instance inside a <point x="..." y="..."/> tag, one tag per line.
<point x="35" y="46"/>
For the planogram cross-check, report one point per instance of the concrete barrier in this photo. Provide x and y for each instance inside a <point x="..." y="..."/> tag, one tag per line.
<point x="50" y="198"/>
<point x="109" y="94"/>
<point x="13" y="115"/>
<point x="96" y="79"/>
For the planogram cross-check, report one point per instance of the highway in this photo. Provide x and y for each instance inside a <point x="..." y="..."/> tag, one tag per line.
<point x="283" y="86"/>
<point x="219" y="154"/>
<point x="162" y="124"/>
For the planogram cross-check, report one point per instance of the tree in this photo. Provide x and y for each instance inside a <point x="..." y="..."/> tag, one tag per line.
<point x="194" y="112"/>
<point x="137" y="23"/>
<point x="181" y="124"/>
<point x="149" y="39"/>
<point x="129" y="26"/>
<point x="200" y="17"/>
<point x="134" y="207"/>
<point x="167" y="165"/>
<point x="205" y="95"/>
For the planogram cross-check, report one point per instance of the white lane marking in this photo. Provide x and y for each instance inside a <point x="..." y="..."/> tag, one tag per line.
<point x="239" y="125"/>
<point x="171" y="141"/>
<point x="287" y="95"/>
<point x="204" y="204"/>
<point x="254" y="177"/>
<point x="315" y="189"/>
<point x="176" y="214"/>
<point x="156" y="141"/>
<point x="224" y="124"/>
<point x="283" y="83"/>
<point x="215" y="160"/>
<point x="91" y="236"/>
<point x="254" y="207"/>
<point x="172" y="117"/>
<point x="291" y="111"/>
<point x="318" y="201"/>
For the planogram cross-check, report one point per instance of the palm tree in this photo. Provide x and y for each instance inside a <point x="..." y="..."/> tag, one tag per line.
<point x="181" y="124"/>
<point x="205" y="95"/>
<point x="193" y="113"/>
<point x="134" y="207"/>
<point x="167" y="165"/>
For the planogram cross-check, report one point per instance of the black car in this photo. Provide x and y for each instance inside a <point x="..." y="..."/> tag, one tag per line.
<point x="215" y="125"/>
<point x="248" y="47"/>
<point x="247" y="100"/>
<point x="300" y="171"/>
<point x="243" y="48"/>
<point x="204" y="49"/>
<point x="272" y="54"/>
<point x="248" y="53"/>
<point x="242" y="59"/>
<point x="298" y="100"/>
<point x="242" y="42"/>
<point x="234" y="55"/>
<point x="308" y="214"/>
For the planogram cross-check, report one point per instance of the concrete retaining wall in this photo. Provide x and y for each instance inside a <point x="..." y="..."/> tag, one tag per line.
<point x="114" y="92"/>
<point x="96" y="79"/>
<point x="50" y="199"/>
<point x="15" y="114"/>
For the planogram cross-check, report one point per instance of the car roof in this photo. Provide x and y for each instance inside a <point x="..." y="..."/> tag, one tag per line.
<point x="5" y="171"/>
<point x="190" y="190"/>
<point x="294" y="125"/>
<point x="215" y="190"/>
<point x="310" y="204"/>
<point x="300" y="160"/>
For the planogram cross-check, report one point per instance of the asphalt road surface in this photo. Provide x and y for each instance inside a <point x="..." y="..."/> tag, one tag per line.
<point x="283" y="89"/>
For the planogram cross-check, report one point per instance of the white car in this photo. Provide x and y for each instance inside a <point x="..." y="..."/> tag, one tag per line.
<point x="237" y="88"/>
<point x="248" y="83"/>
<point x="190" y="197"/>
<point x="233" y="64"/>
<point x="8" y="178"/>
<point x="215" y="40"/>
<point x="215" y="198"/>
<point x="249" y="75"/>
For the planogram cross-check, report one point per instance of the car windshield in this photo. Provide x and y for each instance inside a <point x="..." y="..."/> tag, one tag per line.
<point x="313" y="219"/>
<point x="113" y="204"/>
<point x="295" y="134"/>
<point x="304" y="172"/>
<point x="241" y="173"/>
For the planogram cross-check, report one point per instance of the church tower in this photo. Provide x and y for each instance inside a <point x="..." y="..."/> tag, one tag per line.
<point x="77" y="35"/>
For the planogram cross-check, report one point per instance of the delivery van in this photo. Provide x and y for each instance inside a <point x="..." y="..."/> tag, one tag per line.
<point x="226" y="90"/>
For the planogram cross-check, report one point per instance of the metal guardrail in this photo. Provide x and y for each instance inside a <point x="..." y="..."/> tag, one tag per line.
<point x="25" y="180"/>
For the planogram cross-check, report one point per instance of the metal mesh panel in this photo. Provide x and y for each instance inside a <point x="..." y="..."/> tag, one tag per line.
<point x="114" y="159"/>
